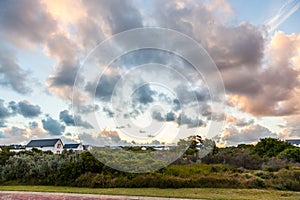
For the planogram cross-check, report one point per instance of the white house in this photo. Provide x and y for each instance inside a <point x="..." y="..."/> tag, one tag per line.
<point x="87" y="147"/>
<point x="54" y="145"/>
<point x="295" y="142"/>
<point x="16" y="148"/>
<point x="74" y="147"/>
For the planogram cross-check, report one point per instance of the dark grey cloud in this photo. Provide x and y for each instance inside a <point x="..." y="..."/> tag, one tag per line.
<point x="105" y="87"/>
<point x="249" y="134"/>
<point x="244" y="122"/>
<point x="75" y="120"/>
<point x="181" y="119"/>
<point x="242" y="45"/>
<point x="25" y="21"/>
<point x="170" y="116"/>
<point x="53" y="126"/>
<point x="176" y="105"/>
<point x="108" y="112"/>
<point x="67" y="118"/>
<point x="33" y="125"/>
<point x="28" y="110"/>
<point x="24" y="108"/>
<point x="13" y="106"/>
<point x="5" y="113"/>
<point x="188" y="95"/>
<point x="143" y="94"/>
<point x="190" y="122"/>
<point x="157" y="116"/>
<point x="118" y="14"/>
<point x="65" y="75"/>
<point x="85" y="109"/>
<point x="11" y="74"/>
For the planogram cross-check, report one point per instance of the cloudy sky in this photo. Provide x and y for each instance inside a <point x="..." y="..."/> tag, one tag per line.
<point x="149" y="94"/>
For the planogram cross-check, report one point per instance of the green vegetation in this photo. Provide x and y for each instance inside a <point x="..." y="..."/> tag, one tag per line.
<point x="201" y="193"/>
<point x="245" y="166"/>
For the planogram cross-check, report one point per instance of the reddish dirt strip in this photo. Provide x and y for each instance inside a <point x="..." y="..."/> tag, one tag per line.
<point x="16" y="195"/>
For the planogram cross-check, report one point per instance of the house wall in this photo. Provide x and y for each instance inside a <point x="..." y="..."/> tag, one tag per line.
<point x="56" y="149"/>
<point x="79" y="148"/>
<point x="16" y="150"/>
<point x="41" y="148"/>
<point x="59" y="147"/>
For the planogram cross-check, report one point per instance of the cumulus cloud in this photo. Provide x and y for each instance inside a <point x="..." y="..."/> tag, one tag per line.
<point x="11" y="73"/>
<point x="62" y="79"/>
<point x="292" y="126"/>
<point x="53" y="126"/>
<point x="105" y="137"/>
<point x="181" y="119"/>
<point x="105" y="87"/>
<point x="13" y="135"/>
<point x="4" y="113"/>
<point x="108" y="111"/>
<point x="249" y="134"/>
<point x="85" y="109"/>
<point x="143" y="94"/>
<point x="33" y="125"/>
<point x="157" y="116"/>
<point x="190" y="122"/>
<point x="25" y="23"/>
<point x="170" y="116"/>
<point x="75" y="120"/>
<point x="260" y="78"/>
<point x="272" y="97"/>
<point x="28" y="110"/>
<point x="24" y="108"/>
<point x="114" y="16"/>
<point x="240" y="122"/>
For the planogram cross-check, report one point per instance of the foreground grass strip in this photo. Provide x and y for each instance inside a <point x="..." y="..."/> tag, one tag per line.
<point x="203" y="193"/>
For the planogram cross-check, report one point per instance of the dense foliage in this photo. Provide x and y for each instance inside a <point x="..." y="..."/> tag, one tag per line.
<point x="270" y="163"/>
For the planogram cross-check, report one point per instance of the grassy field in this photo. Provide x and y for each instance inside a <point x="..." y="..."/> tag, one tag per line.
<point x="204" y="193"/>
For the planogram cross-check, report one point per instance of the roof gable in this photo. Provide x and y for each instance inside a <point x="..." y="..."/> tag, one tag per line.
<point x="42" y="143"/>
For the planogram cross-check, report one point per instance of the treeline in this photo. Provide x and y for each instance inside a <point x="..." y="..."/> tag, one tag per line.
<point x="269" y="154"/>
<point x="269" y="164"/>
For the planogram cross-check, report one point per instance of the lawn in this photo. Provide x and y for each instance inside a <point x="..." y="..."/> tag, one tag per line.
<point x="204" y="193"/>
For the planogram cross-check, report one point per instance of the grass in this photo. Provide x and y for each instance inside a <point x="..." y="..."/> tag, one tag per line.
<point x="204" y="193"/>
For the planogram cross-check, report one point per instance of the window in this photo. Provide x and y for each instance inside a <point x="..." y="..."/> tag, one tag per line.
<point x="58" y="146"/>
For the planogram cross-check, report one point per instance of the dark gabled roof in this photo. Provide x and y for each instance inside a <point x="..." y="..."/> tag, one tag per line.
<point x="294" y="141"/>
<point x="71" y="146"/>
<point x="42" y="143"/>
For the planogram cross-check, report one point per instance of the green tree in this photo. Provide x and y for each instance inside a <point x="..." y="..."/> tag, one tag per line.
<point x="271" y="147"/>
<point x="292" y="155"/>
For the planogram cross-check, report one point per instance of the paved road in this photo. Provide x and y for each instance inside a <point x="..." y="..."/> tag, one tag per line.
<point x="14" y="195"/>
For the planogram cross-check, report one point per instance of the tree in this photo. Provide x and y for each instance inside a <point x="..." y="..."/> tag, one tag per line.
<point x="292" y="155"/>
<point x="271" y="147"/>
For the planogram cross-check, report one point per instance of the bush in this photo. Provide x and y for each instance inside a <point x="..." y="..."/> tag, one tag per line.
<point x="274" y="164"/>
<point x="291" y="155"/>
<point x="259" y="183"/>
<point x="286" y="180"/>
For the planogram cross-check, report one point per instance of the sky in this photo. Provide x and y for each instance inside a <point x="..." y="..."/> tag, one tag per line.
<point x="54" y="84"/>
